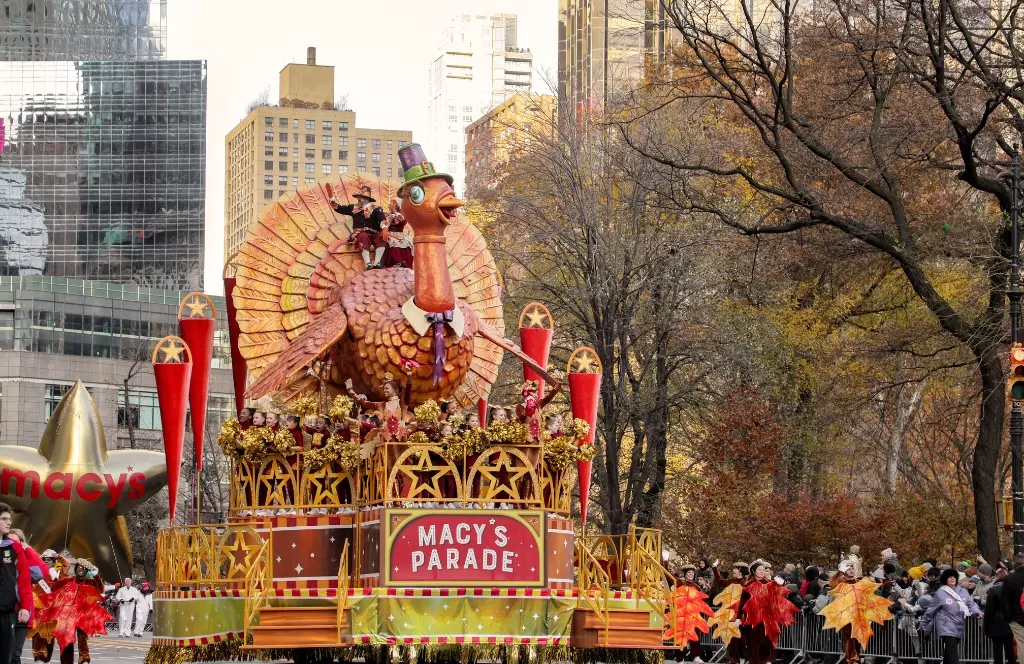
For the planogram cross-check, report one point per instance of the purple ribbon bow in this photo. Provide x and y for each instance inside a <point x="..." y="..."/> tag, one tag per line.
<point x="438" y="320"/>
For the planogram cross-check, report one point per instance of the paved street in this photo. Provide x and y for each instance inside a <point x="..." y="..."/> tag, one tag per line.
<point x="111" y="649"/>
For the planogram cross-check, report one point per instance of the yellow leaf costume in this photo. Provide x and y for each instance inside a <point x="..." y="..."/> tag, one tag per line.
<point x="856" y="605"/>
<point x="723" y="621"/>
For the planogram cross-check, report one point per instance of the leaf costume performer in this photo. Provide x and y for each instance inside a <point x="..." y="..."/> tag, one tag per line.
<point x="764" y="611"/>
<point x="73" y="604"/>
<point x="726" y="622"/>
<point x="689" y="606"/>
<point x="854" y="608"/>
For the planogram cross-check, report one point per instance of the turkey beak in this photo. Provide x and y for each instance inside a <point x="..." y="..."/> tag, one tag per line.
<point x="447" y="206"/>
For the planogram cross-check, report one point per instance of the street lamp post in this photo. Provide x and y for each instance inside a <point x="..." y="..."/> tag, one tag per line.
<point x="1014" y="293"/>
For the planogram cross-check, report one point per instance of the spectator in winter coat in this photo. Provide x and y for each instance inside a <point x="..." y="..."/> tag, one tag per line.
<point x="986" y="576"/>
<point x="997" y="627"/>
<point x="1013" y="586"/>
<point x="811" y="588"/>
<point x="947" y="616"/>
<point x="16" y="601"/>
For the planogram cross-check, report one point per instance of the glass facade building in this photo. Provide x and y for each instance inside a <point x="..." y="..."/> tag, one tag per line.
<point x="102" y="170"/>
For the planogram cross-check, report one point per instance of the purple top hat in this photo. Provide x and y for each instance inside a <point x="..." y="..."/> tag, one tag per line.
<point x="416" y="167"/>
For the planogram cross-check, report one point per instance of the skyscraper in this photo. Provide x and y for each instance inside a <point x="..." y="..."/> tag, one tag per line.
<point x="108" y="139"/>
<point x="478" y="65"/>
<point x="603" y="47"/>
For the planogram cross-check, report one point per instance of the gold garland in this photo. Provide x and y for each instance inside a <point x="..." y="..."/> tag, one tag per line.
<point x="576" y="429"/>
<point x="304" y="406"/>
<point x="337" y="449"/>
<point x="506" y="433"/>
<point x="229" y="438"/>
<point x="255" y="441"/>
<point x="318" y="457"/>
<point x="586" y="452"/>
<point x="283" y="441"/>
<point x="427" y="412"/>
<point x="560" y="453"/>
<point x="341" y="407"/>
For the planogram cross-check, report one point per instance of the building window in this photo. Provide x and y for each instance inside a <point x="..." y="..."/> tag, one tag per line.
<point x="310" y="168"/>
<point x="376" y="144"/>
<point x="268" y="150"/>
<point x="360" y="156"/>
<point x="283" y="136"/>
<point x="326" y="125"/>
<point x="52" y="397"/>
<point x="268" y="194"/>
<point x="325" y="140"/>
<point x="343" y="126"/>
<point x="268" y="165"/>
<point x="143" y="410"/>
<point x="401" y="144"/>
<point x="268" y="136"/>
<point x="295" y="137"/>
<point x="361" y="169"/>
<point x="295" y="182"/>
<point x="376" y="170"/>
<point x="467" y="109"/>
<point x="327" y="154"/>
<point x="325" y="169"/>
<point x="295" y="167"/>
<point x="282" y="152"/>
<point x="282" y="180"/>
<point x="310" y="138"/>
<point x="282" y="193"/>
<point x="295" y="152"/>
<point x="391" y="145"/>
<point x="343" y="155"/>
<point x="343" y="168"/>
<point x="310" y="153"/>
<point x="283" y="123"/>
<point x="295" y="124"/>
<point x="375" y="158"/>
<point x="453" y="118"/>
<point x="310" y="180"/>
<point x="343" y="141"/>
<point x="467" y="118"/>
<point x="391" y="172"/>
<point x="390" y="157"/>
<point x="310" y="125"/>
<point x="268" y="121"/>
<point x="268" y="179"/>
<point x="360" y="142"/>
<point x="283" y="166"/>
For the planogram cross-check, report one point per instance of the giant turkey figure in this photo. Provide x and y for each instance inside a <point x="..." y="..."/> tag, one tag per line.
<point x="303" y="295"/>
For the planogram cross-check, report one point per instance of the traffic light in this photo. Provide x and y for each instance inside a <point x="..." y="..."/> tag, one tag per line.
<point x="1015" y="383"/>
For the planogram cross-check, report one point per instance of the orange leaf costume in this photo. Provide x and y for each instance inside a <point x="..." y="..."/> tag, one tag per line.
<point x="73" y="604"/>
<point x="768" y="606"/>
<point x="690" y="609"/>
<point x="856" y="605"/>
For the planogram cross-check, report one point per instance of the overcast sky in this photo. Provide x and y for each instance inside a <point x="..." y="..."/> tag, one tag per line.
<point x="381" y="50"/>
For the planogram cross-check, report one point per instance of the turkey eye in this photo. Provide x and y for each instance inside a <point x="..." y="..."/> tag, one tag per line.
<point x="416" y="194"/>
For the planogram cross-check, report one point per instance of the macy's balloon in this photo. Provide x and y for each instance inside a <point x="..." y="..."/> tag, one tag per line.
<point x="71" y="493"/>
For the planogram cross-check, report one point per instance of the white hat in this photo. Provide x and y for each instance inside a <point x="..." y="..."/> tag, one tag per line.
<point x="845" y="565"/>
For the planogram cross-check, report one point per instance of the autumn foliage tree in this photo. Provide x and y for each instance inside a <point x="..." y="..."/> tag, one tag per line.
<point x="885" y="125"/>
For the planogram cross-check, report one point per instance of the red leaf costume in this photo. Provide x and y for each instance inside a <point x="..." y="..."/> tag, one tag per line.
<point x="767" y="605"/>
<point x="74" y="604"/>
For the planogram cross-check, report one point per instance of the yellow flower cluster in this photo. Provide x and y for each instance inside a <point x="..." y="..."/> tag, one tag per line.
<point x="341" y="408"/>
<point x="229" y="438"/>
<point x="428" y="412"/>
<point x="304" y="406"/>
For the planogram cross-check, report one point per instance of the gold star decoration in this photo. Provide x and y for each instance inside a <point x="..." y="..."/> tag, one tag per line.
<point x="422" y="467"/>
<point x="493" y="481"/>
<point x="74" y="449"/>
<point x="584" y="360"/>
<point x="536" y="314"/>
<point x="198" y="304"/>
<point x="171" y="350"/>
<point x="324" y="485"/>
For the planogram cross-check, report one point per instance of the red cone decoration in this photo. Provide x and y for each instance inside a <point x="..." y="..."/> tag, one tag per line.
<point x="481" y="410"/>
<point x="196" y="319"/>
<point x="238" y="367"/>
<point x="172" y="368"/>
<point x="584" y="377"/>
<point x="536" y="328"/>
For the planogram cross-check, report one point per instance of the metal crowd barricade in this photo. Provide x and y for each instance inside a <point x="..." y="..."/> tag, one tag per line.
<point x="806" y="641"/>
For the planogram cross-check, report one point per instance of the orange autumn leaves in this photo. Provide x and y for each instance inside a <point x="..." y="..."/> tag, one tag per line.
<point x="690" y="608"/>
<point x="856" y="605"/>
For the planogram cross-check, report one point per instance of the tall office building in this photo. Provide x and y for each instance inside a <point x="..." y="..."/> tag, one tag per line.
<point x="478" y="65"/>
<point x="106" y="139"/>
<point x="102" y="189"/>
<point x="305" y="137"/>
<point x="603" y="47"/>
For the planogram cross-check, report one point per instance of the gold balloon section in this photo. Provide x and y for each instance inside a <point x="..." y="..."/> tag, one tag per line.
<point x="72" y="493"/>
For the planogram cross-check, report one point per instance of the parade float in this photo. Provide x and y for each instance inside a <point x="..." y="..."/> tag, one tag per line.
<point x="405" y="530"/>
